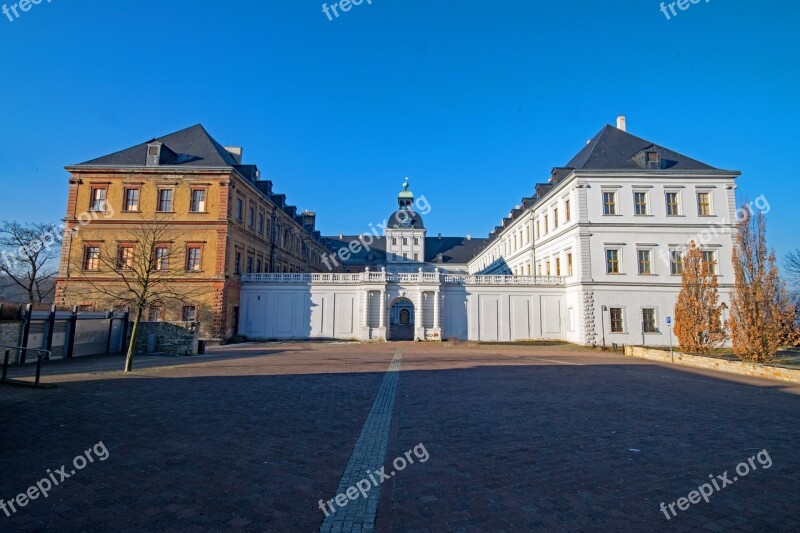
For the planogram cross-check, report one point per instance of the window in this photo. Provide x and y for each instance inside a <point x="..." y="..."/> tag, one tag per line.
<point x="555" y="218"/>
<point x="673" y="206"/>
<point x="567" y="211"/>
<point x="131" y="200"/>
<point x="237" y="263"/>
<point x="546" y="224"/>
<point x="539" y="269"/>
<point x="165" y="200"/>
<point x="612" y="261"/>
<point x="194" y="258"/>
<point x="249" y="265"/>
<point x="569" y="264"/>
<point x="609" y="203"/>
<point x="125" y="257"/>
<point x="198" y="203"/>
<point x="617" y="324"/>
<point x="189" y="313"/>
<point x="649" y="320"/>
<point x="260" y="223"/>
<point x="645" y="261"/>
<point x="161" y="257"/>
<point x="239" y="209"/>
<point x="547" y="266"/>
<point x="405" y="241"/>
<point x="558" y="266"/>
<point x="98" y="201"/>
<point x="251" y="218"/>
<point x="675" y="262"/>
<point x="537" y="229"/>
<point x="154" y="313"/>
<point x="640" y="203"/>
<point x="710" y="261"/>
<point x="258" y="265"/>
<point x="394" y="241"/>
<point x="416" y="241"/>
<point x="704" y="204"/>
<point x="653" y="160"/>
<point x="91" y="257"/>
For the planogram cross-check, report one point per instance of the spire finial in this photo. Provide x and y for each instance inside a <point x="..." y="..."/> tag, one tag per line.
<point x="405" y="184"/>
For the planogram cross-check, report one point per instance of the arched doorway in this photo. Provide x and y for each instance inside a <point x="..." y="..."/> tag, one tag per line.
<point x="401" y="320"/>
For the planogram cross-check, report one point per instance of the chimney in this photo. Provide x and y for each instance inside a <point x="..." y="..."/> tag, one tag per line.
<point x="621" y="123"/>
<point x="236" y="152"/>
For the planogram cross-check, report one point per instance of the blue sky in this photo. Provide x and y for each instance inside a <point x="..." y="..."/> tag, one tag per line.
<point x="475" y="101"/>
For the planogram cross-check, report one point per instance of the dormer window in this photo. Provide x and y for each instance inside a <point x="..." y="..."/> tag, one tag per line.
<point x="153" y="154"/>
<point x="653" y="160"/>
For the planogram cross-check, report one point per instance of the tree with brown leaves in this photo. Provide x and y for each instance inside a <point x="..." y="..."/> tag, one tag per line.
<point x="698" y="312"/>
<point x="762" y="315"/>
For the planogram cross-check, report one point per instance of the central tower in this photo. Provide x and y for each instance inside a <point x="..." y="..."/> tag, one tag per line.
<point x="405" y="234"/>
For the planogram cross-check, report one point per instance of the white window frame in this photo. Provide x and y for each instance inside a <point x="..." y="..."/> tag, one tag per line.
<point x="677" y="194"/>
<point x="651" y="251"/>
<point x="646" y="203"/>
<point x="607" y="249"/>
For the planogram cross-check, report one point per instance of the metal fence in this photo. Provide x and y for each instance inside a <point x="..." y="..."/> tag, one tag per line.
<point x="67" y="334"/>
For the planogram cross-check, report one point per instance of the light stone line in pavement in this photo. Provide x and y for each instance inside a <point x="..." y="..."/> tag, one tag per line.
<point x="369" y="454"/>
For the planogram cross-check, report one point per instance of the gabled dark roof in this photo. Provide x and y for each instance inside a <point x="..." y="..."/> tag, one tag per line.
<point x="452" y="249"/>
<point x="192" y="147"/>
<point x="614" y="149"/>
<point x="375" y="254"/>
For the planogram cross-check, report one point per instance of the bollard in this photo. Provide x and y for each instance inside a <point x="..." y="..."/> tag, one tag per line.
<point x="5" y="364"/>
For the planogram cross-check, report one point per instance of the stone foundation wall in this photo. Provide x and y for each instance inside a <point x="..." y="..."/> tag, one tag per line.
<point x="174" y="338"/>
<point x="734" y="367"/>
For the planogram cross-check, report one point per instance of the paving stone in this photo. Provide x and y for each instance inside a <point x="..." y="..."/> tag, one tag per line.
<point x="520" y="438"/>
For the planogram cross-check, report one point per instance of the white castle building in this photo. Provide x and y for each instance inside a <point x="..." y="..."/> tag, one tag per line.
<point x="593" y="256"/>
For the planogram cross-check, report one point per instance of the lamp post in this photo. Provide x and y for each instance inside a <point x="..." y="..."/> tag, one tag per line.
<point x="603" y="310"/>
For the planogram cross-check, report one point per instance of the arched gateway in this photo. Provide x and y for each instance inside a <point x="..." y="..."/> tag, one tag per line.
<point x="401" y="320"/>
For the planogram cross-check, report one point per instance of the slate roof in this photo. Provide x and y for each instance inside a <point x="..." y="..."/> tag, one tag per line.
<point x="415" y="219"/>
<point x="453" y="249"/>
<point x="190" y="147"/>
<point x="614" y="149"/>
<point x="458" y="250"/>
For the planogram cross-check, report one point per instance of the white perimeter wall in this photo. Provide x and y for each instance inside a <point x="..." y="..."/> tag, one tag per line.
<point x="352" y="311"/>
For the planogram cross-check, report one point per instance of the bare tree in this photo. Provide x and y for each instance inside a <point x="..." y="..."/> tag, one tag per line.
<point x="698" y="313"/>
<point x="792" y="265"/>
<point x="762" y="315"/>
<point x="142" y="272"/>
<point x="28" y="254"/>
